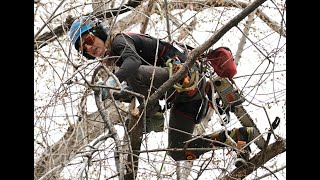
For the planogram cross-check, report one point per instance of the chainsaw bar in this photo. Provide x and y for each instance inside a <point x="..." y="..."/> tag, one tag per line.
<point x="231" y="97"/>
<point x="247" y="121"/>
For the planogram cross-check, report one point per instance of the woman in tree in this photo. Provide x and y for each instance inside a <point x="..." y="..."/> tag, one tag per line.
<point x="138" y="56"/>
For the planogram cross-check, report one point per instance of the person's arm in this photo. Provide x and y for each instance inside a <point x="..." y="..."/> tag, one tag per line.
<point x="124" y="47"/>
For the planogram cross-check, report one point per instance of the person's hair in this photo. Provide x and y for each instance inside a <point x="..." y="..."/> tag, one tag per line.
<point x="98" y="31"/>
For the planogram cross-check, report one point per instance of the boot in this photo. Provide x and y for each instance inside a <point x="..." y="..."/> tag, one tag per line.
<point x="242" y="136"/>
<point x="155" y="122"/>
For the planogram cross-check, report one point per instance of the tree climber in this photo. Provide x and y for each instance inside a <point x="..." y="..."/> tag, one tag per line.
<point x="138" y="57"/>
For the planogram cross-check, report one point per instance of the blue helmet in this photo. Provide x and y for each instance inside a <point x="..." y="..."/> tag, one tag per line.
<point x="80" y="26"/>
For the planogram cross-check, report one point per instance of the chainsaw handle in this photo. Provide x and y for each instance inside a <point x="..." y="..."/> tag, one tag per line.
<point x="275" y="123"/>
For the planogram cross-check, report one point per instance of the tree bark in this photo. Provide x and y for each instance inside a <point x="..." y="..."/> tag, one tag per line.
<point x="255" y="162"/>
<point x="73" y="141"/>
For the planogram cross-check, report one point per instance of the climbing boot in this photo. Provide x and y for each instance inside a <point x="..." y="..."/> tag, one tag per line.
<point x="242" y="136"/>
<point x="155" y="122"/>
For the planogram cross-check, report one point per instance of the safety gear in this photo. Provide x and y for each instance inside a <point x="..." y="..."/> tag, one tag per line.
<point x="231" y="99"/>
<point x="123" y="96"/>
<point x="88" y="40"/>
<point x="189" y="82"/>
<point x="222" y="61"/>
<point x="80" y="26"/>
<point x="118" y="96"/>
<point x="242" y="136"/>
<point x="111" y="82"/>
<point x="155" y="122"/>
<point x="190" y="155"/>
<point x="104" y="92"/>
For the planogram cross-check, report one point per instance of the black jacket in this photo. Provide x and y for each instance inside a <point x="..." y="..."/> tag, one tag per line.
<point x="140" y="49"/>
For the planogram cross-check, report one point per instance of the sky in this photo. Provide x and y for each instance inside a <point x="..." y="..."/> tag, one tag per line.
<point x="49" y="83"/>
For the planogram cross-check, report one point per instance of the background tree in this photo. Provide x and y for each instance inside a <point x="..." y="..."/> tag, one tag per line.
<point x="72" y="138"/>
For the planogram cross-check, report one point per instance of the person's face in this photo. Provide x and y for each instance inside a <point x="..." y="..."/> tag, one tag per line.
<point x="93" y="45"/>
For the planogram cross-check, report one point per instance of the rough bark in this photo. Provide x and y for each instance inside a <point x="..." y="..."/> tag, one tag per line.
<point x="135" y="128"/>
<point x="255" y="162"/>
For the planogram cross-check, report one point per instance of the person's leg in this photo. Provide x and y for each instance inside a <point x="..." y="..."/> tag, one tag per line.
<point x="181" y="126"/>
<point x="240" y="135"/>
<point x="140" y="82"/>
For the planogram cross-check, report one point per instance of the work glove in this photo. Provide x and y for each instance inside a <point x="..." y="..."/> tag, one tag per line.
<point x="123" y="96"/>
<point x="111" y="82"/>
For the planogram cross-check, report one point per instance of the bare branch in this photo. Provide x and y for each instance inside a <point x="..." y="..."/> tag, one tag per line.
<point x="255" y="162"/>
<point x="68" y="145"/>
<point x="199" y="50"/>
<point x="45" y="38"/>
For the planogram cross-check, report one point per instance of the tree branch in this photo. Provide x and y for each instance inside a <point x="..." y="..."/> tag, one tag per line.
<point x="199" y="50"/>
<point x="48" y="37"/>
<point x="254" y="163"/>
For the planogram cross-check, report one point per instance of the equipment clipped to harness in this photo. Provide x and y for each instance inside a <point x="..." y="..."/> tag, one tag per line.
<point x="228" y="96"/>
<point x="228" y="93"/>
<point x="222" y="61"/>
<point x="188" y="83"/>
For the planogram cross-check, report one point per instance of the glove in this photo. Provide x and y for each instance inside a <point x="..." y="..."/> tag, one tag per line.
<point x="123" y="96"/>
<point x="110" y="83"/>
<point x="104" y="91"/>
<point x="177" y="60"/>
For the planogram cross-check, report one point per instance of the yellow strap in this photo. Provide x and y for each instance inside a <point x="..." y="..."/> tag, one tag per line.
<point x="186" y="86"/>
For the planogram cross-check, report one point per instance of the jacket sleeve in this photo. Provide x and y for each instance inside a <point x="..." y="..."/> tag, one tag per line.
<point x="125" y="48"/>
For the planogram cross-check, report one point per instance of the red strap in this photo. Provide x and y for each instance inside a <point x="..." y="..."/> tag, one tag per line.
<point x="145" y="35"/>
<point x="192" y="92"/>
<point x="136" y="34"/>
<point x="164" y="47"/>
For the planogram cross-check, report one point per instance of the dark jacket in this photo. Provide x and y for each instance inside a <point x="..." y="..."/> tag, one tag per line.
<point x="140" y="49"/>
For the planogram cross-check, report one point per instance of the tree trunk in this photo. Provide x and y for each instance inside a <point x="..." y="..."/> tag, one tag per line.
<point x="73" y="140"/>
<point x="255" y="162"/>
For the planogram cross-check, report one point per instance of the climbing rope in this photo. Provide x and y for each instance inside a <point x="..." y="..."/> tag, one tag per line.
<point x="188" y="83"/>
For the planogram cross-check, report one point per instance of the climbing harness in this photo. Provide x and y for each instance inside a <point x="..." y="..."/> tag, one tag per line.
<point x="188" y="83"/>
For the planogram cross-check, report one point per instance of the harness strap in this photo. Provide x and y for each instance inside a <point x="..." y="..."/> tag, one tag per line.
<point x="188" y="83"/>
<point x="163" y="50"/>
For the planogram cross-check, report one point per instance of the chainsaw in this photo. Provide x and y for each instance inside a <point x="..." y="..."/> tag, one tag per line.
<point x="232" y="100"/>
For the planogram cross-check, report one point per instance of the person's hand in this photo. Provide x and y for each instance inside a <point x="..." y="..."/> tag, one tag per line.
<point x="123" y="96"/>
<point x="109" y="83"/>
<point x="176" y="60"/>
<point x="104" y="92"/>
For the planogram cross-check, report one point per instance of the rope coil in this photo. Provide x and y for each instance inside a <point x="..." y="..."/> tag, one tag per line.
<point x="188" y="83"/>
